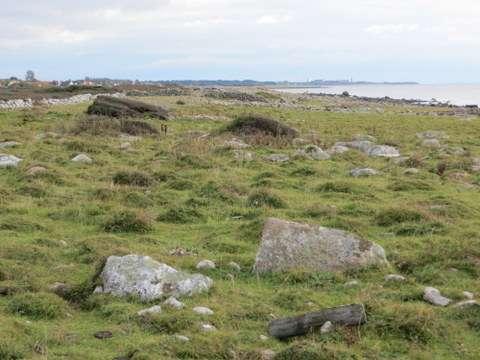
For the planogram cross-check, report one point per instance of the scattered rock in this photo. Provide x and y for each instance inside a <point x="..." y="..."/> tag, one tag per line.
<point x="434" y="297"/>
<point x="468" y="295"/>
<point x="338" y="149"/>
<point x="157" y="309"/>
<point x="174" y="303"/>
<point x="363" y="172"/>
<point x="102" y="335"/>
<point x="313" y="152"/>
<point x="182" y="338"/>
<point x="82" y="158"/>
<point x="235" y="144"/>
<point x="206" y="265"/>
<point x="234" y="266"/>
<point x="259" y="125"/>
<point x="457" y="151"/>
<point x="9" y="144"/>
<point x="207" y="327"/>
<point x="135" y="275"/>
<point x="278" y="158"/>
<point x="202" y="310"/>
<point x="36" y="170"/>
<point x="9" y="161"/>
<point x="327" y="328"/>
<point x="288" y="245"/>
<point x="431" y="143"/>
<point x="395" y="278"/>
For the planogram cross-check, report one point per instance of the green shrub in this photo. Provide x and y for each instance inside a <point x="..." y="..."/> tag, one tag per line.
<point x="133" y="178"/>
<point x="128" y="221"/>
<point x="399" y="215"/>
<point x="9" y="351"/>
<point x="37" y="306"/>
<point x="265" y="198"/>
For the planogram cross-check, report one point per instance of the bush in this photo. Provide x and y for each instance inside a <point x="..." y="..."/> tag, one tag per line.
<point x="37" y="306"/>
<point x="265" y="198"/>
<point x="128" y="221"/>
<point x="133" y="178"/>
<point x="254" y="124"/>
<point x="395" y="216"/>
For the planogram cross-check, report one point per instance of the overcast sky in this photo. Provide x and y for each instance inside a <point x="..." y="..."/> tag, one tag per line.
<point x="431" y="41"/>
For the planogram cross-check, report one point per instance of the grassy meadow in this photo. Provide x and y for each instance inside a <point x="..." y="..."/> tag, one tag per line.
<point x="181" y="198"/>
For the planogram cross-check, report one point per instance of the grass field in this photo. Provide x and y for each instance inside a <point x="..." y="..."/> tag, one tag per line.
<point x="182" y="190"/>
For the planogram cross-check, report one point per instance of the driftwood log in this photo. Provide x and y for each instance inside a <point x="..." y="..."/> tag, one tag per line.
<point x="300" y="325"/>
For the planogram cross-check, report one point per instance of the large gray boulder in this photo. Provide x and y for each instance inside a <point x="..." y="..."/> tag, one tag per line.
<point x="288" y="245"/>
<point x="135" y="275"/>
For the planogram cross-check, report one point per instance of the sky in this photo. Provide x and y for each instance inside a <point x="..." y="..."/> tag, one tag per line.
<point x="429" y="41"/>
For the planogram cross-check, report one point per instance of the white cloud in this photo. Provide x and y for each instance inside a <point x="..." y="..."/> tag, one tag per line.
<point x="273" y="19"/>
<point x="392" y="29"/>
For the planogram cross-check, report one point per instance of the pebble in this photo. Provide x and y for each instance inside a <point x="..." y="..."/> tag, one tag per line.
<point x="264" y="338"/>
<point x="174" y="303"/>
<point x="182" y="338"/>
<point x="394" y="277"/>
<point x="352" y="283"/>
<point x="468" y="295"/>
<point x="9" y="161"/>
<point x="207" y="327"/>
<point x="82" y="158"/>
<point x="201" y="310"/>
<point x="327" y="328"/>
<point x="434" y="297"/>
<point x="363" y="172"/>
<point x="206" y="265"/>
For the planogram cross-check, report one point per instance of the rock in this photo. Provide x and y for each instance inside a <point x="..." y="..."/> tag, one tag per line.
<point x="60" y="289"/>
<point x="362" y="145"/>
<point x="361" y="137"/>
<point x="394" y="278"/>
<point x="182" y="338"/>
<point x="338" y="149"/>
<point x="125" y="146"/>
<point x="264" y="338"/>
<point x="102" y="335"/>
<point x="352" y="283"/>
<point x="235" y="144"/>
<point x="411" y="171"/>
<point x="401" y="160"/>
<point x="9" y="144"/>
<point x="363" y="172"/>
<point x="434" y="297"/>
<point x="288" y="245"/>
<point x="36" y="170"/>
<point x="313" y="152"/>
<point x="327" y="328"/>
<point x="383" y="151"/>
<point x="234" y="266"/>
<point x="207" y="327"/>
<point x="432" y="134"/>
<point x="206" y="265"/>
<point x="278" y="158"/>
<point x="9" y="161"/>
<point x="174" y="303"/>
<point x="243" y="156"/>
<point x="82" y="158"/>
<point x="157" y="309"/>
<point x="135" y="275"/>
<point x="202" y="310"/>
<point x="466" y="304"/>
<point x="431" y="143"/>
<point x="468" y="295"/>
<point x="267" y="355"/>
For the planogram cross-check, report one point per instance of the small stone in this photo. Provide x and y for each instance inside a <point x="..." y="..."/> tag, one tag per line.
<point x="182" y="338"/>
<point x="207" y="327"/>
<point x="338" y="149"/>
<point x="434" y="297"/>
<point x="465" y="304"/>
<point x="267" y="355"/>
<point x="36" y="170"/>
<point x="174" y="303"/>
<point x="468" y="295"/>
<point x="363" y="172"/>
<point x="153" y="310"/>
<point x="235" y="144"/>
<point x="125" y="146"/>
<point x="234" y="266"/>
<point x="278" y="158"/>
<point x="9" y="144"/>
<point x="264" y="338"/>
<point x="411" y="171"/>
<point x="203" y="310"/>
<point x="9" y="161"/>
<point x="327" y="328"/>
<point x="98" y="290"/>
<point x="394" y="277"/>
<point x="313" y="152"/>
<point x="352" y="283"/>
<point x="103" y="335"/>
<point x="431" y="143"/>
<point x="82" y="158"/>
<point x="206" y="265"/>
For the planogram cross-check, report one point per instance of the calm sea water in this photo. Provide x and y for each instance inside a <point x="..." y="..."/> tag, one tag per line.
<point x="455" y="94"/>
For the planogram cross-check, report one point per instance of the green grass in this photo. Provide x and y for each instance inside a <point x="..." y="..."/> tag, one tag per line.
<point x="177" y="191"/>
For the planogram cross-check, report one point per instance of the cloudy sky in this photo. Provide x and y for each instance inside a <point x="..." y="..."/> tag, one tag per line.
<point x="431" y="41"/>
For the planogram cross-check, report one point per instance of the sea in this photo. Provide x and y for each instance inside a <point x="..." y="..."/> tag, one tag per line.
<point x="460" y="94"/>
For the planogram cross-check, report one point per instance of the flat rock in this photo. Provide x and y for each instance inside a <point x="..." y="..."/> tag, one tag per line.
<point x="394" y="278"/>
<point x="338" y="149"/>
<point x="9" y="161"/>
<point x="201" y="310"/>
<point x="9" y="144"/>
<point x="135" y="275"/>
<point x="363" y="172"/>
<point x="174" y="303"/>
<point x="207" y="327"/>
<point x="313" y="152"/>
<point x="434" y="297"/>
<point x="82" y="158"/>
<point x="288" y="245"/>
<point x="102" y="335"/>
<point x="182" y="338"/>
<point x="206" y="265"/>
<point x="383" y="151"/>
<point x="278" y="158"/>
<point x="431" y="143"/>
<point x="157" y="309"/>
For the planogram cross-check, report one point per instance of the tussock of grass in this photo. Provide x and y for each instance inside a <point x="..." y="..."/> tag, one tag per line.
<point x="132" y="178"/>
<point x="265" y="198"/>
<point x="395" y="216"/>
<point x="128" y="221"/>
<point x="180" y="215"/>
<point x="255" y="124"/>
<point x="37" y="306"/>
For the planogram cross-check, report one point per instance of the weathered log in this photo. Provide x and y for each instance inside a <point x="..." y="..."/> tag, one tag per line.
<point x="347" y="315"/>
